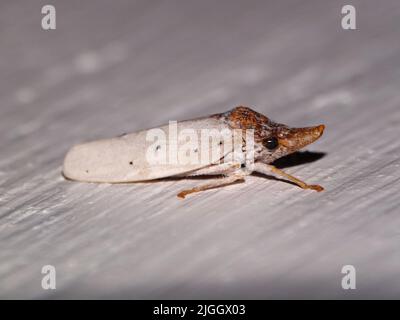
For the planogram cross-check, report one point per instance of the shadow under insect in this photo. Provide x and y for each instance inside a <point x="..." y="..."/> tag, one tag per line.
<point x="298" y="158"/>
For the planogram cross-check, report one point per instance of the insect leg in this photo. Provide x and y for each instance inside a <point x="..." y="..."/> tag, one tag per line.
<point x="267" y="169"/>
<point x="223" y="168"/>
<point x="214" y="184"/>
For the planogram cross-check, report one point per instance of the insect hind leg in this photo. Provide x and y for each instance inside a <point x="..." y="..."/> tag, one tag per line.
<point x="217" y="169"/>
<point x="230" y="179"/>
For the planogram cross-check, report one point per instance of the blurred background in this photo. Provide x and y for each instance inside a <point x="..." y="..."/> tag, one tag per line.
<point x="119" y="66"/>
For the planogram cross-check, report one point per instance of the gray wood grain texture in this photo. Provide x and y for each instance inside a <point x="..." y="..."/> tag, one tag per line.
<point x="120" y="67"/>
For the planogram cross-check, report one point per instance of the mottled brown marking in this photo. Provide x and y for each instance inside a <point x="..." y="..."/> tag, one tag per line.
<point x="245" y="118"/>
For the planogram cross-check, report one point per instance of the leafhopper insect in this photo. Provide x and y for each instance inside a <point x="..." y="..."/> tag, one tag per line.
<point x="232" y="144"/>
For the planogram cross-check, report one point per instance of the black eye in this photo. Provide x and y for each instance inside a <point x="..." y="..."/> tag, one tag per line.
<point x="271" y="143"/>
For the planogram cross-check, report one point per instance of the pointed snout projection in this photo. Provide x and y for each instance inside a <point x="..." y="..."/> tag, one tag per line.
<point x="297" y="138"/>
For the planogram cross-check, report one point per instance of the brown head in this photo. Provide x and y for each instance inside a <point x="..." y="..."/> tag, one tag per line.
<point x="272" y="140"/>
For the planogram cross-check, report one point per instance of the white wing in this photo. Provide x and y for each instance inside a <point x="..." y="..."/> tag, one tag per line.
<point x="125" y="159"/>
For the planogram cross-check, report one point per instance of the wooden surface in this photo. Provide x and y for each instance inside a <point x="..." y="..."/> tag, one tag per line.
<point x="120" y="67"/>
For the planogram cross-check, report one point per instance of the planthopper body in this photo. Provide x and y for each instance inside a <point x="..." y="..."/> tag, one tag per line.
<point x="232" y="144"/>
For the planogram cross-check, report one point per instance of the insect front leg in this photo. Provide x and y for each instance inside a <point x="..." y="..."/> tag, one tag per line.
<point x="268" y="169"/>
